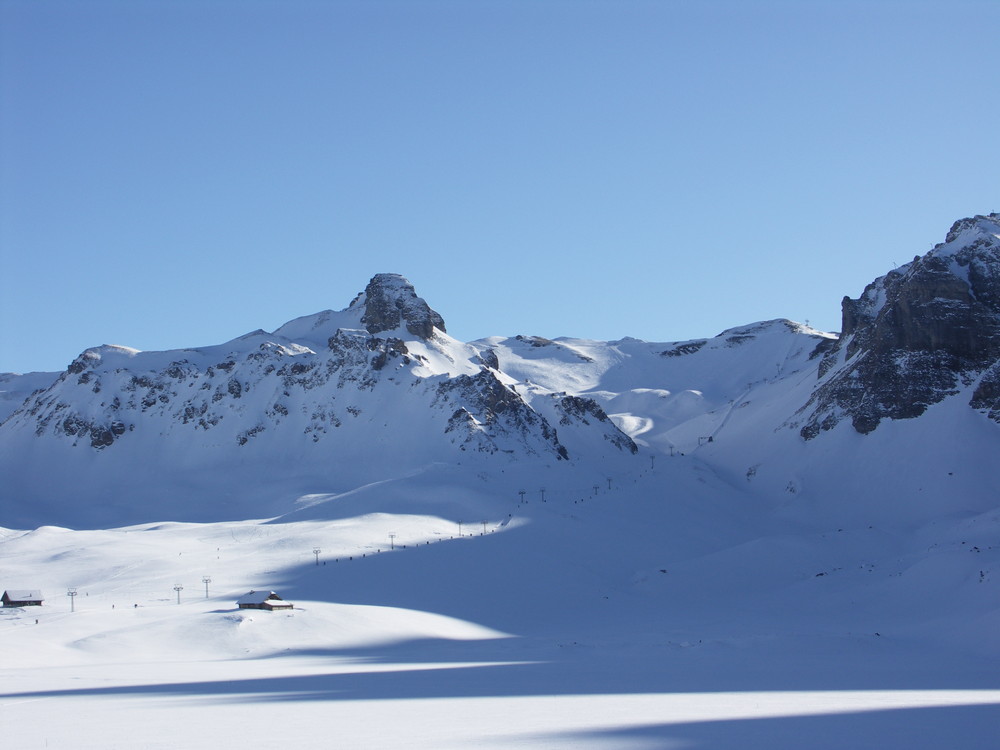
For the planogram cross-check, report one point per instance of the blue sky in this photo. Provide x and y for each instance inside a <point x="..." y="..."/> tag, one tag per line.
<point x="179" y="173"/>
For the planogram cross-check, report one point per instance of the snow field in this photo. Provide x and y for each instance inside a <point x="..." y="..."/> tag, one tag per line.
<point x="669" y="610"/>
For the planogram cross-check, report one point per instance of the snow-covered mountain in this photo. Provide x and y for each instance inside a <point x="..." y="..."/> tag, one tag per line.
<point x="325" y="403"/>
<point x="301" y="383"/>
<point x="378" y="391"/>
<point x="741" y="541"/>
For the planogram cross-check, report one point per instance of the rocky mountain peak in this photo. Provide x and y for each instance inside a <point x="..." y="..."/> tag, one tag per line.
<point x="390" y="302"/>
<point x="918" y="335"/>
<point x="947" y="300"/>
<point x="986" y="225"/>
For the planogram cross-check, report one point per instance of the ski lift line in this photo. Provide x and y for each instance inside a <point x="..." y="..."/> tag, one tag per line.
<point x="618" y="480"/>
<point x="615" y="481"/>
<point x="195" y="570"/>
<point x="729" y="413"/>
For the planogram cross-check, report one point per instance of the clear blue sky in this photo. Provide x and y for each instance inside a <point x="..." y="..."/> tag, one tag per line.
<point x="179" y="173"/>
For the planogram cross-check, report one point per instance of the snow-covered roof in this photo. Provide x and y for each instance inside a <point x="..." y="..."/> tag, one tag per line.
<point x="23" y="595"/>
<point x="257" y="597"/>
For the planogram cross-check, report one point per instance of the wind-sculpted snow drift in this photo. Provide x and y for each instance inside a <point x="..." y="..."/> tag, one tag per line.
<point x="379" y="391"/>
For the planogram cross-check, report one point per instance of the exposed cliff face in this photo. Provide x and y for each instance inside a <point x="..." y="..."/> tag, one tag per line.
<point x="391" y="302"/>
<point x="488" y="411"/>
<point x="917" y="335"/>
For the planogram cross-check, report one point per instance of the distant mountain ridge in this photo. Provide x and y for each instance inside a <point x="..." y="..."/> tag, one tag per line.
<point x="254" y="384"/>
<point x="336" y="393"/>
<point x="338" y="400"/>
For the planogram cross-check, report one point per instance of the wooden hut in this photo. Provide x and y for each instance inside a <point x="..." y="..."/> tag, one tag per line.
<point x="22" y="598"/>
<point x="262" y="600"/>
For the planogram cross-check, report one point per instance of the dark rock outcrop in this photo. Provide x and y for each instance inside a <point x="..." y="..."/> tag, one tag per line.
<point x="581" y="409"/>
<point x="490" y="412"/>
<point x="390" y="301"/>
<point x="917" y="335"/>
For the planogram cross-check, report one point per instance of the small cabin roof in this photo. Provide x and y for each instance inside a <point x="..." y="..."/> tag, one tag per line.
<point x="23" y="595"/>
<point x="258" y="597"/>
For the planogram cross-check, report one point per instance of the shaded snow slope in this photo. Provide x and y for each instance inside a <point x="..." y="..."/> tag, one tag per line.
<point x="15" y="388"/>
<point x="665" y="608"/>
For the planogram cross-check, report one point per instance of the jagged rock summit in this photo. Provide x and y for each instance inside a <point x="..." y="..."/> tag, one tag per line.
<point x="390" y="302"/>
<point x="923" y="332"/>
<point x="388" y="305"/>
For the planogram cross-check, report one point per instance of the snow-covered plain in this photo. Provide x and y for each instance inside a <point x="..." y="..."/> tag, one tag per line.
<point x="665" y="609"/>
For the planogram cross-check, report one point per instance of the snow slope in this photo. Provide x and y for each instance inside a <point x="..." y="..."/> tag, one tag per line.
<point x="15" y="388"/>
<point x="669" y="610"/>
